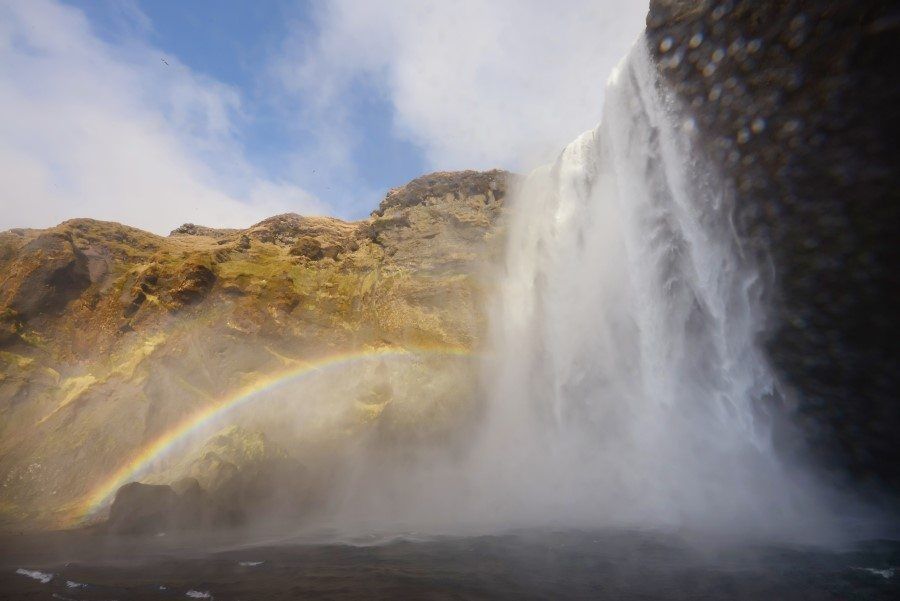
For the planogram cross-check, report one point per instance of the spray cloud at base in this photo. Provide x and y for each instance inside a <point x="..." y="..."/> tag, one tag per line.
<point x="660" y="366"/>
<point x="624" y="384"/>
<point x="621" y="382"/>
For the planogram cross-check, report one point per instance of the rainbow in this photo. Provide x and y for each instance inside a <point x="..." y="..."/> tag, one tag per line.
<point x="138" y="465"/>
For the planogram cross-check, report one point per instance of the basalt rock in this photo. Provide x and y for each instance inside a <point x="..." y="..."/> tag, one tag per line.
<point x="150" y="509"/>
<point x="143" y="509"/>
<point x="799" y="103"/>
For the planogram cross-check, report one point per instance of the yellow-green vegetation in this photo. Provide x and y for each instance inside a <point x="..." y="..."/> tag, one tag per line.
<point x="109" y="336"/>
<point x="14" y="359"/>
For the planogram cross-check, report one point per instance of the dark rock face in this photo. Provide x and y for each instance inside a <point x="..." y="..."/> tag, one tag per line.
<point x="245" y="478"/>
<point x="237" y="497"/>
<point x="798" y="101"/>
<point x="152" y="508"/>
<point x="142" y="509"/>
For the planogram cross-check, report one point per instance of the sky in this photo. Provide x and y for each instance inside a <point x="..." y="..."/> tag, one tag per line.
<point x="156" y="113"/>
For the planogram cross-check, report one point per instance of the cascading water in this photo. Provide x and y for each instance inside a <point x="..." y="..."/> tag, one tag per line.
<point x="628" y="386"/>
<point x="624" y="385"/>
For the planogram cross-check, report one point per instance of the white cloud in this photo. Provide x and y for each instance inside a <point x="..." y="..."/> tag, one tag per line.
<point x="474" y="83"/>
<point x="92" y="129"/>
<point x="107" y="130"/>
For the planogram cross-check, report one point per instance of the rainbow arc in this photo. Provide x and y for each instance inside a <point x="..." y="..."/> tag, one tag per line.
<point x="147" y="456"/>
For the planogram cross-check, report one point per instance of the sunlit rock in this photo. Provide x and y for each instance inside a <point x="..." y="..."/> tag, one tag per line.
<point x="111" y="336"/>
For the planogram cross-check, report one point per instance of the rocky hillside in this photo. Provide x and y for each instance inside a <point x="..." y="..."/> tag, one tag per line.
<point x="110" y="335"/>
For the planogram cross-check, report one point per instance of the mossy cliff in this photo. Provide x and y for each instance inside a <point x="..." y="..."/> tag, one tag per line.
<point x="110" y="335"/>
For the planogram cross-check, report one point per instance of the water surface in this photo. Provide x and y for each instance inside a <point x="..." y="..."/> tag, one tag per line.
<point x="608" y="564"/>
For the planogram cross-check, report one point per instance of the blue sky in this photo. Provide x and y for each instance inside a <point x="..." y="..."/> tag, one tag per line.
<point x="232" y="42"/>
<point x="158" y="112"/>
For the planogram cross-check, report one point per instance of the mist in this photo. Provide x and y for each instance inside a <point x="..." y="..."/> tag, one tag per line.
<point x="622" y="384"/>
<point x="640" y="370"/>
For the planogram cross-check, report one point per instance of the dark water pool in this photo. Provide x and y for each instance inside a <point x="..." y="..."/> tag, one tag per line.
<point x="521" y="565"/>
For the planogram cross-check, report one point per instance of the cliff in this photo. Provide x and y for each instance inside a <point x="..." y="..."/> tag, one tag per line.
<point x="110" y="336"/>
<point x="797" y="101"/>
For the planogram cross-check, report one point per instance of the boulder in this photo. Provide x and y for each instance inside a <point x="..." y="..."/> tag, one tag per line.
<point x="192" y="509"/>
<point x="142" y="509"/>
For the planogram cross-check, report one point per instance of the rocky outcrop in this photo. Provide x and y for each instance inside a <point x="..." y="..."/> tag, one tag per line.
<point x="143" y="509"/>
<point x="246" y="476"/>
<point x="194" y="283"/>
<point x="235" y="477"/>
<point x="51" y="271"/>
<point x="308" y="247"/>
<point x="491" y="185"/>
<point x="190" y="229"/>
<point x="798" y="101"/>
<point x="110" y="336"/>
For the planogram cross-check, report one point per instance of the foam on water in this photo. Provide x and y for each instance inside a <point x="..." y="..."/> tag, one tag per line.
<point x="885" y="573"/>
<point x="42" y="577"/>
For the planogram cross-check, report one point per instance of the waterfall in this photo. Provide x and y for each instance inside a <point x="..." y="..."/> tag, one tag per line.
<point x="623" y="381"/>
<point x="627" y="385"/>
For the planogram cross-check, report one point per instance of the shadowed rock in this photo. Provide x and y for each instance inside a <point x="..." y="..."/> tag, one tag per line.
<point x="196" y="282"/>
<point x="142" y="509"/>
<point x="152" y="508"/>
<point x="798" y="101"/>
<point x="55" y="272"/>
<point x="245" y="478"/>
<point x="307" y="247"/>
